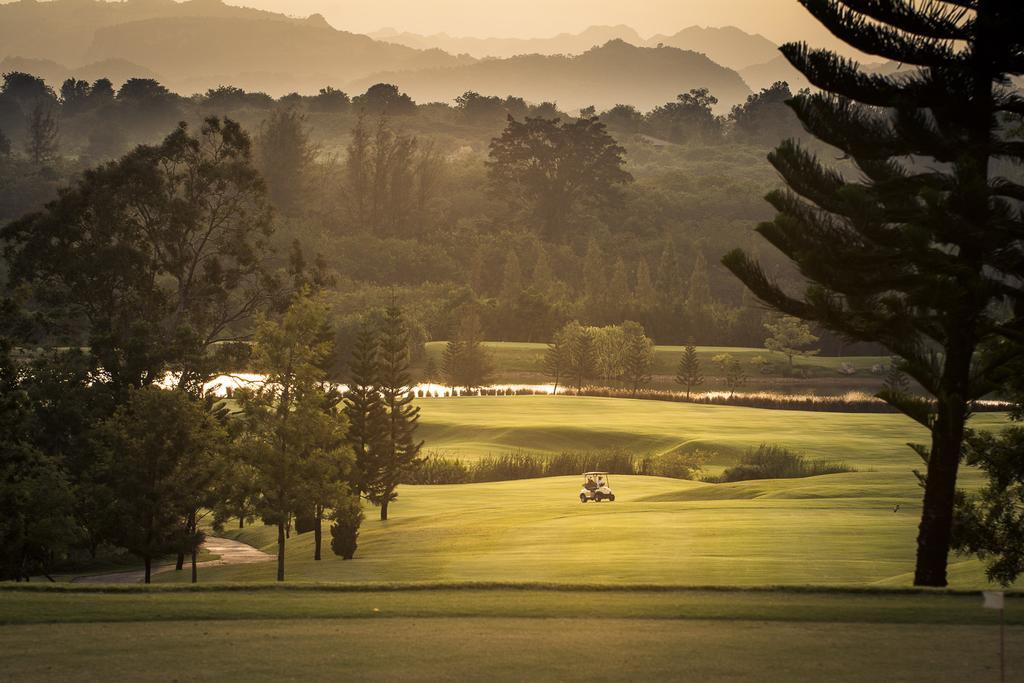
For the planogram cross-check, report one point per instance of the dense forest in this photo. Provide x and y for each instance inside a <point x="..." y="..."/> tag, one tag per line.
<point x="520" y="214"/>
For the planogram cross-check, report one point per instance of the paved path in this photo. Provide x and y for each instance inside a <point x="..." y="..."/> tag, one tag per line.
<point x="230" y="552"/>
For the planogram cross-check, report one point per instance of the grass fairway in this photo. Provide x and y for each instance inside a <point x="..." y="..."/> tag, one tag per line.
<point x="524" y="357"/>
<point x="472" y="427"/>
<point x="830" y="530"/>
<point x="501" y="635"/>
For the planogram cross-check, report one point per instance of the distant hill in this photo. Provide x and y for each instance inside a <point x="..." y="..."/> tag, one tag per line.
<point x="726" y="45"/>
<point x="616" y="72"/>
<point x="117" y="70"/>
<point x="761" y="76"/>
<point x="199" y="44"/>
<point x="563" y="43"/>
<point x="193" y="53"/>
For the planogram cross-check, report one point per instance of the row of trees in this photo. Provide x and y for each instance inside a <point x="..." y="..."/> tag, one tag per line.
<point x="157" y="272"/>
<point x="614" y="353"/>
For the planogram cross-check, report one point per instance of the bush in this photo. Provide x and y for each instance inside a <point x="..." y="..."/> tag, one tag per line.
<point x="507" y="467"/>
<point x="437" y="469"/>
<point x="677" y="464"/>
<point x="769" y="461"/>
<point x="305" y="521"/>
<point x="347" y="516"/>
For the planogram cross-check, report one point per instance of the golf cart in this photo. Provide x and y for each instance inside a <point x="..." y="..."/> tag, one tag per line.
<point x="596" y="488"/>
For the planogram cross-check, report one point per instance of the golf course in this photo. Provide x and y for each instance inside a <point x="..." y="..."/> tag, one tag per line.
<point x="849" y="529"/>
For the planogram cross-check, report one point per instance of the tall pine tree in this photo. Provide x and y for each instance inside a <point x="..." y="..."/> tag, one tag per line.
<point x="688" y="373"/>
<point x="397" y="451"/>
<point x="914" y="250"/>
<point x="363" y="406"/>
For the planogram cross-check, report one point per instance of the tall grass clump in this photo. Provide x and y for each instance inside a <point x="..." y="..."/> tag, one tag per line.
<point x="771" y="461"/>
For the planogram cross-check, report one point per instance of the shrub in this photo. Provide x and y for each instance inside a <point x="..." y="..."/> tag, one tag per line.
<point x="506" y="467"/>
<point x="677" y="464"/>
<point x="305" y="521"/>
<point x="437" y="469"/>
<point x="769" y="461"/>
<point x="347" y="516"/>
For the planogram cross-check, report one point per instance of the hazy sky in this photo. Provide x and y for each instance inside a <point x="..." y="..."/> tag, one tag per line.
<point x="779" y="20"/>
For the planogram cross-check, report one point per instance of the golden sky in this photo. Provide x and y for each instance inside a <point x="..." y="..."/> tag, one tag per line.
<point x="779" y="20"/>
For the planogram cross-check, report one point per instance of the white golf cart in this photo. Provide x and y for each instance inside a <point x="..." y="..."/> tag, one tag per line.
<point x="596" y="488"/>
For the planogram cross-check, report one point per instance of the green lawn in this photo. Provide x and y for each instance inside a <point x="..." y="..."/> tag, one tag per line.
<point x="502" y="635"/>
<point x="831" y="530"/>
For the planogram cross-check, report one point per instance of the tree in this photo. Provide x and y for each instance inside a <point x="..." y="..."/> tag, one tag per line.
<point x="5" y="146"/>
<point x="397" y="451"/>
<point x="580" y="352"/>
<point x="732" y="372"/>
<point x="990" y="523"/>
<point x="466" y="363"/>
<point x="286" y="424"/>
<point x="512" y="278"/>
<point x="347" y="517"/>
<point x="363" y="407"/>
<point x="285" y="158"/>
<point x="639" y="357"/>
<point x="385" y="99"/>
<point x="554" y="168"/>
<point x="36" y="496"/>
<point x="556" y="360"/>
<point x="43" y="130"/>
<point x="330" y="100"/>
<point x="699" y="303"/>
<point x="689" y="118"/>
<point x="688" y="372"/>
<point x="789" y="336"/>
<point x="157" y="262"/>
<point x="911" y="252"/>
<point x="160" y="448"/>
<point x="895" y="382"/>
<point x="764" y="117"/>
<point x="74" y="95"/>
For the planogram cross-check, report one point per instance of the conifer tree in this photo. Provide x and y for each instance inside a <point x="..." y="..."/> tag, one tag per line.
<point x="543" y="273"/>
<point x="698" y="294"/>
<point x="397" y="451"/>
<point x="643" y="293"/>
<point x="913" y="250"/>
<point x="618" y="291"/>
<point x="556" y="359"/>
<point x="638" y="358"/>
<point x="512" y="279"/>
<point x="466" y="361"/>
<point x="688" y="374"/>
<point x="581" y="354"/>
<point x="363" y="407"/>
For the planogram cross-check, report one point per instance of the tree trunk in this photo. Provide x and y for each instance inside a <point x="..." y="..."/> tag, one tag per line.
<point x="149" y="569"/>
<point x="193" y="527"/>
<point x="180" y="563"/>
<point x="241" y="522"/>
<point x="318" y="531"/>
<point x="384" y="511"/>
<point x="943" y="462"/>
<point x="280" y="551"/>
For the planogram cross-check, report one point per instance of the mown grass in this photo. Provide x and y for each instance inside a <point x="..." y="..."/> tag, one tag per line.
<point x="855" y="528"/>
<point x="526" y="357"/>
<point x="600" y="647"/>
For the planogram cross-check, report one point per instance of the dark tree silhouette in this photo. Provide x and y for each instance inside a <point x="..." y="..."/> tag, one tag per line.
<point x="914" y="252"/>
<point x="688" y="373"/>
<point x="554" y="167"/>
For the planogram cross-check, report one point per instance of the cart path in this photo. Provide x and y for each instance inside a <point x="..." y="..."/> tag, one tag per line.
<point x="230" y="552"/>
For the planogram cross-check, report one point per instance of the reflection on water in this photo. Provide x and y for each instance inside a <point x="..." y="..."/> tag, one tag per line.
<point x="225" y="386"/>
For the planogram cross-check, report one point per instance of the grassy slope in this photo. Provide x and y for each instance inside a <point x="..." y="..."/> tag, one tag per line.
<point x="835" y="529"/>
<point x="513" y="357"/>
<point x="501" y="635"/>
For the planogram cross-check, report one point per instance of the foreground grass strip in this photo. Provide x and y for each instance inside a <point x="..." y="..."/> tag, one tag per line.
<point x="34" y="606"/>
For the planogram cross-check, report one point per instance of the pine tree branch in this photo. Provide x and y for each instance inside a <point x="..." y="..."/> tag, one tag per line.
<point x="925" y="19"/>
<point x="856" y="30"/>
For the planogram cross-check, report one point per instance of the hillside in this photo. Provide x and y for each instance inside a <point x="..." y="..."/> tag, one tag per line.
<point x="563" y="43"/>
<point x="614" y="73"/>
<point x="725" y="45"/>
<point x="195" y="45"/>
